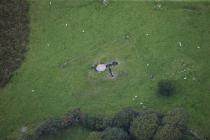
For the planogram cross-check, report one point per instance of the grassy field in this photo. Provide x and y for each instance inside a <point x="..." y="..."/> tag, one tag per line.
<point x="151" y="43"/>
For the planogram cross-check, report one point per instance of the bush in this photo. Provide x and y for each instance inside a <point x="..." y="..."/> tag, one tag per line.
<point x="94" y="136"/>
<point x="27" y="137"/>
<point x="166" y="87"/>
<point x="174" y="125"/>
<point x="144" y="126"/>
<point x="96" y="122"/>
<point x="13" y="38"/>
<point x="123" y="118"/>
<point x="50" y="126"/>
<point x="114" y="134"/>
<point x="72" y="117"/>
<point x="168" y="132"/>
<point x="177" y="118"/>
<point x="88" y="121"/>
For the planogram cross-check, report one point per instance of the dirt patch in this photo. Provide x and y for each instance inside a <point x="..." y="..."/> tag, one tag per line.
<point x="14" y="28"/>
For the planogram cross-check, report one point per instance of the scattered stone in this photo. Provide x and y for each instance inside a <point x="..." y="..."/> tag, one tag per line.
<point x="66" y="24"/>
<point x="159" y="5"/>
<point x="23" y="129"/>
<point x="193" y="78"/>
<point x="105" y="2"/>
<point x="127" y="36"/>
<point x="141" y="103"/>
<point x="147" y="34"/>
<point x="180" y="44"/>
<point x="64" y="64"/>
<point x="198" y="47"/>
<point x="48" y="44"/>
<point x="135" y="96"/>
<point x="147" y="64"/>
<point x="133" y="99"/>
<point x="185" y="78"/>
<point x="32" y="90"/>
<point x="151" y="76"/>
<point x="83" y="31"/>
<point x="50" y="2"/>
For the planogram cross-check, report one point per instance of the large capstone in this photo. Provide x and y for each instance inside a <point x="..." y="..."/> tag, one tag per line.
<point x="101" y="67"/>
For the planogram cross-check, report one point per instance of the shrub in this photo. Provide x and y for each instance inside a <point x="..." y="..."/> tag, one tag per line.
<point x="94" y="136"/>
<point x="88" y="121"/>
<point x="177" y="118"/>
<point x="166" y="87"/>
<point x="27" y="137"/>
<point x="174" y="125"/>
<point x="123" y="118"/>
<point x="13" y="37"/>
<point x="96" y="122"/>
<point x="114" y="134"/>
<point x="144" y="126"/>
<point x="50" y="126"/>
<point x="102" y="123"/>
<point x="168" y="132"/>
<point x="72" y="117"/>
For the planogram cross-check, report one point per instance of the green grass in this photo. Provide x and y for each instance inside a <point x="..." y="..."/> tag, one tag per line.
<point x="59" y="58"/>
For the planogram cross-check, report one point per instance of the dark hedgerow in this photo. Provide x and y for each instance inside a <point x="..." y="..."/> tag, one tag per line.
<point x="173" y="125"/>
<point x="48" y="127"/>
<point x="123" y="118"/>
<point x="114" y="134"/>
<point x="54" y="125"/>
<point x="166" y="87"/>
<point x="177" y="118"/>
<point x="72" y="117"/>
<point x="168" y="132"/>
<point x="14" y="28"/>
<point x="143" y="125"/>
<point x="96" y="122"/>
<point x="26" y="137"/>
<point x="94" y="136"/>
